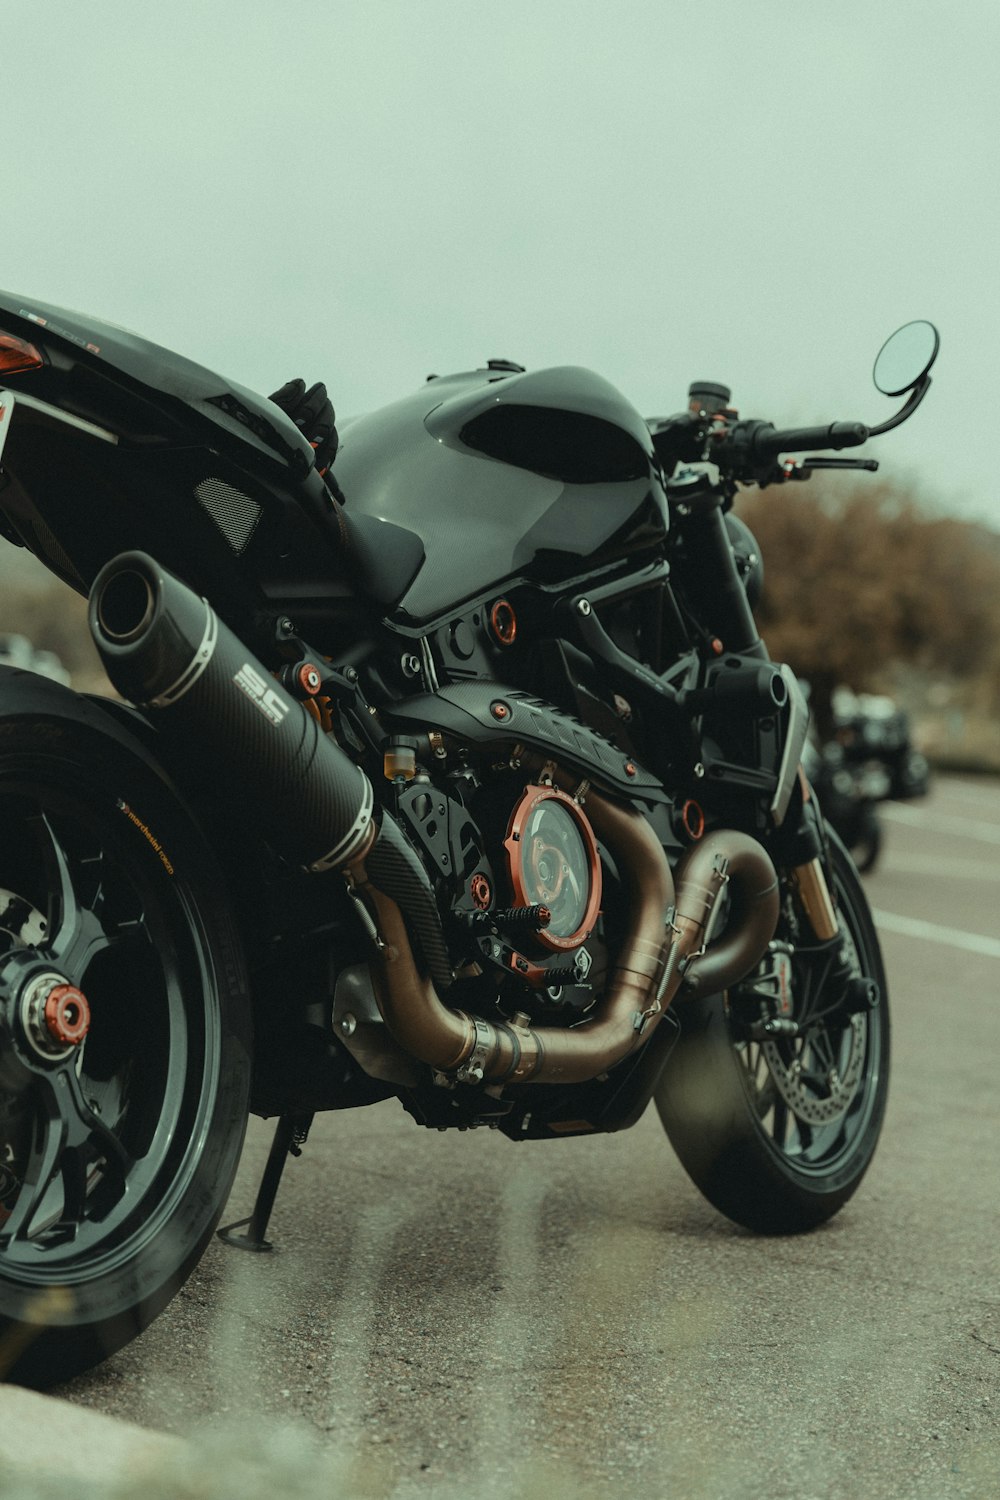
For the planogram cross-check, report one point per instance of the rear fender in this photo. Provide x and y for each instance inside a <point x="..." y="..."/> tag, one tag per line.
<point x="27" y="694"/>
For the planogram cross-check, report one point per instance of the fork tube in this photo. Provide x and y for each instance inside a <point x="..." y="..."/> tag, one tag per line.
<point x="712" y="582"/>
<point x="816" y="899"/>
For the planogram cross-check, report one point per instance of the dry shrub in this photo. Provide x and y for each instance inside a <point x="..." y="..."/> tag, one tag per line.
<point x="859" y="579"/>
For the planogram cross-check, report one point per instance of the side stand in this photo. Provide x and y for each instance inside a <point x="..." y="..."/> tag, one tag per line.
<point x="289" y="1138"/>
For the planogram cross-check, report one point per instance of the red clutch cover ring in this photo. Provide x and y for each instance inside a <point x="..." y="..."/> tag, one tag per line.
<point x="553" y="861"/>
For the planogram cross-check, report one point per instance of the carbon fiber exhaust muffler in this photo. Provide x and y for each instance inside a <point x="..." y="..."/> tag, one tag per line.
<point x="165" y="648"/>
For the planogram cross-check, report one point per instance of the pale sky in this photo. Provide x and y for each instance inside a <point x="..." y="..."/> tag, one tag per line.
<point x="756" y="193"/>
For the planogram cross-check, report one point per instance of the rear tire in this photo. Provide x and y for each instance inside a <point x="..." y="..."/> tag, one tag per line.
<point x="115" y="1162"/>
<point x="776" y="1147"/>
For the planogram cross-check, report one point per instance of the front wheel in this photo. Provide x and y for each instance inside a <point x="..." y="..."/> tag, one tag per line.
<point x="124" y="1048"/>
<point x="777" y="1124"/>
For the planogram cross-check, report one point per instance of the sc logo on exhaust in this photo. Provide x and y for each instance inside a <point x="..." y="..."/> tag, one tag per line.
<point x="260" y="692"/>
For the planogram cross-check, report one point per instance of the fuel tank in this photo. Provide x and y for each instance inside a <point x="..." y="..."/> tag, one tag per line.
<point x="502" y="473"/>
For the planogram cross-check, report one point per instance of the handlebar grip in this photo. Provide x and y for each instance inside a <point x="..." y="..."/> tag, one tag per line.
<point x="767" y="442"/>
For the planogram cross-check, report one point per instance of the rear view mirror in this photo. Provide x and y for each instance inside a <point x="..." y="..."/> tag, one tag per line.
<point x="905" y="358"/>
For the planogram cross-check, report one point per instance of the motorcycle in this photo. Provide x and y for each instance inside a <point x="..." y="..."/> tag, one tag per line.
<point x="869" y="759"/>
<point x="478" y="790"/>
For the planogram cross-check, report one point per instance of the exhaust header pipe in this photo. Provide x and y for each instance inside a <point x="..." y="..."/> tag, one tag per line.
<point x="165" y="648"/>
<point x="661" y="955"/>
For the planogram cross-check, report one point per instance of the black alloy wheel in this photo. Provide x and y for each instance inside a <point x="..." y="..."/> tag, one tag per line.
<point x="124" y="1043"/>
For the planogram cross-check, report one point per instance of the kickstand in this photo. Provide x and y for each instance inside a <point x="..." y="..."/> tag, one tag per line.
<point x="289" y="1138"/>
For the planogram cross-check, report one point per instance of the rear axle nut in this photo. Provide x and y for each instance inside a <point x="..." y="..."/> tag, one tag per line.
<point x="67" y="1015"/>
<point x="54" y="1014"/>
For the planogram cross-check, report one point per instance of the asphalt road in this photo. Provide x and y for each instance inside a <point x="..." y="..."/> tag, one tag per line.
<point x="453" y="1314"/>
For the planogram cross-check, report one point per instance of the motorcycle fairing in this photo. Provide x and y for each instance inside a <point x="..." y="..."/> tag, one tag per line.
<point x="115" y="441"/>
<point x="245" y="540"/>
<point x="78" y="346"/>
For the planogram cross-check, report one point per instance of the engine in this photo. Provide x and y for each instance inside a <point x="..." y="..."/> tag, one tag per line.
<point x="557" y="936"/>
<point x="519" y="883"/>
<point x="525" y="925"/>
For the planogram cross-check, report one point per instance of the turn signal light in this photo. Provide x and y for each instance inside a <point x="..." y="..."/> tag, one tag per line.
<point x="17" y="354"/>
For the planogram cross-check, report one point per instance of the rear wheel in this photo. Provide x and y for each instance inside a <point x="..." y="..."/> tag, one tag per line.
<point x="778" y="1126"/>
<point x="124" y="1052"/>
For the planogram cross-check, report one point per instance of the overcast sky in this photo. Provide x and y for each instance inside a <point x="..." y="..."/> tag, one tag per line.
<point x="756" y="193"/>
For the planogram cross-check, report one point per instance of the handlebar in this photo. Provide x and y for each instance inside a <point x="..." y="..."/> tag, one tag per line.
<point x="748" y="450"/>
<point x="752" y="444"/>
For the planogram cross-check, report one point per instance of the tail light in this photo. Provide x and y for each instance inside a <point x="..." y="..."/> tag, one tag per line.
<point x="17" y="355"/>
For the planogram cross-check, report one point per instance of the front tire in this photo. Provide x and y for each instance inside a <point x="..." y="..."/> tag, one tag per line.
<point x="116" y="1152"/>
<point x="778" y="1133"/>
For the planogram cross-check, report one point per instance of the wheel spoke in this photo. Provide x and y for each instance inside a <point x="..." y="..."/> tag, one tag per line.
<point x="88" y="1133"/>
<point x="814" y="1079"/>
<point x="804" y="1137"/>
<point x="779" y="1126"/>
<point x="70" y="1143"/>
<point x="821" y="1049"/>
<point x="40" y="1172"/>
<point x="76" y="933"/>
<point x="767" y="1094"/>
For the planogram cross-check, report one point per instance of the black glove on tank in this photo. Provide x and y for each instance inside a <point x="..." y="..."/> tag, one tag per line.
<point x="313" y="414"/>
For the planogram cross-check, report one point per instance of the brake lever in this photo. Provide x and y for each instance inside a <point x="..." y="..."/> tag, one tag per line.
<point x="870" y="464"/>
<point x="803" y="469"/>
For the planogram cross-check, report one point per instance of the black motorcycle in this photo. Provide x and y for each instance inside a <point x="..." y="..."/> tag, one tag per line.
<point x="478" y="790"/>
<point x="870" y="758"/>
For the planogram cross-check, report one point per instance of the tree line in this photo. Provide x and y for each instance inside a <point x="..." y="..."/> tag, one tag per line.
<point x="862" y="578"/>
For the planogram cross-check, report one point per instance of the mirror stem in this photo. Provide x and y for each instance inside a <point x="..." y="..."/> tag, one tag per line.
<point x="912" y="402"/>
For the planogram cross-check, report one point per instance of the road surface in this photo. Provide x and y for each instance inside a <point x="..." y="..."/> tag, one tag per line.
<point x="453" y="1314"/>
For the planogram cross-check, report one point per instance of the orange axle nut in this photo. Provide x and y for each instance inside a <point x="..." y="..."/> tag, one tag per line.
<point x="67" y="1015"/>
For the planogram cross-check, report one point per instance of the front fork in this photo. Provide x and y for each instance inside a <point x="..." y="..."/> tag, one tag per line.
<point x="817" y="902"/>
<point x="842" y="990"/>
<point x="805" y="856"/>
<point x="710" y="557"/>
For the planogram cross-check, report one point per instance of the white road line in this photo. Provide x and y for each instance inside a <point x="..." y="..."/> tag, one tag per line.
<point x="894" y="862"/>
<point x="970" y="828"/>
<point x="985" y="795"/>
<point x="932" y="932"/>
